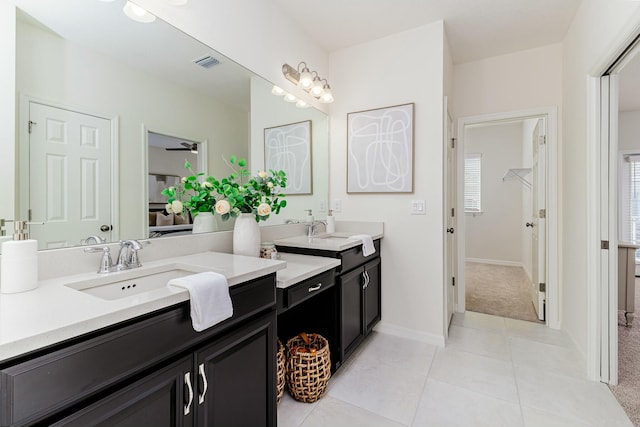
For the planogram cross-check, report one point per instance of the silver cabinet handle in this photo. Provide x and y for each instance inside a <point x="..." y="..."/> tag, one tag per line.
<point x="187" y="381"/>
<point x="366" y="279"/>
<point x="204" y="383"/>
<point x="315" y="288"/>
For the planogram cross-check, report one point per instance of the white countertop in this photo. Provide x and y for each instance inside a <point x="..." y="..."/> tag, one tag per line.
<point x="338" y="241"/>
<point x="55" y="312"/>
<point x="302" y="267"/>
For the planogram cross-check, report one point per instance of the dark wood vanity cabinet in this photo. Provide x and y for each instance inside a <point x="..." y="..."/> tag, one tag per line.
<point x="360" y="304"/>
<point x="356" y="307"/>
<point x="155" y="371"/>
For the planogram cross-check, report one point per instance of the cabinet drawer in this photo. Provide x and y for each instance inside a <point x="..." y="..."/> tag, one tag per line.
<point x="308" y="288"/>
<point x="35" y="388"/>
<point x="351" y="258"/>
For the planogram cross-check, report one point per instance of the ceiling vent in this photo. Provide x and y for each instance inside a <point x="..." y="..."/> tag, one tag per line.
<point x="207" y="61"/>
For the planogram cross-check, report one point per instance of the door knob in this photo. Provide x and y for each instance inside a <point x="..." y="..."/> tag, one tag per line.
<point x="104" y="228"/>
<point x="450" y="230"/>
<point x="529" y="224"/>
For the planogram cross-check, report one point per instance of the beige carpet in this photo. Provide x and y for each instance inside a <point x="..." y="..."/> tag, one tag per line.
<point x="498" y="290"/>
<point x="628" y="389"/>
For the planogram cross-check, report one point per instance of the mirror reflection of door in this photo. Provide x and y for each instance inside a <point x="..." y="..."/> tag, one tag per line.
<point x="70" y="177"/>
<point x="167" y="156"/>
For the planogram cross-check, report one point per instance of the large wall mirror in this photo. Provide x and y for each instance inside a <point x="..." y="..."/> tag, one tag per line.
<point x="92" y="86"/>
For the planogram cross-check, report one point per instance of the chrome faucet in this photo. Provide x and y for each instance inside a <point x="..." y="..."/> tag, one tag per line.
<point x="312" y="227"/>
<point x="128" y="255"/>
<point x="96" y="240"/>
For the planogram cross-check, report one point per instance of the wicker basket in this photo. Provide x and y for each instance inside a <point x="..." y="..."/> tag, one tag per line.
<point x="308" y="367"/>
<point x="280" y="376"/>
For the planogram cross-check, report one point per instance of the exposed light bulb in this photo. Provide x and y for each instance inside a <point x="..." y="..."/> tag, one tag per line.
<point x="316" y="90"/>
<point x="327" y="95"/>
<point x="137" y="13"/>
<point x="301" y="104"/>
<point x="290" y="98"/>
<point x="306" y="80"/>
<point x="277" y="90"/>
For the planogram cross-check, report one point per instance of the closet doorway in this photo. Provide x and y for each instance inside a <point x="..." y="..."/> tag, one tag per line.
<point x="508" y="227"/>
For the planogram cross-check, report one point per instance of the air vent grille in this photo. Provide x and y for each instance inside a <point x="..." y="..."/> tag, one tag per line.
<point x="206" y="61"/>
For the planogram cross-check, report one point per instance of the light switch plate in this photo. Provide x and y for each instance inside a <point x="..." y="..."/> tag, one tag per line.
<point x="418" y="207"/>
<point x="337" y="205"/>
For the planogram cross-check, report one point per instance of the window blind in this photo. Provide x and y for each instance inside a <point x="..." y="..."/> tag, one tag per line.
<point x="633" y="201"/>
<point x="472" y="182"/>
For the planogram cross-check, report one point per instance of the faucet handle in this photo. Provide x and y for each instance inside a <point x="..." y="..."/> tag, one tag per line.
<point x="105" y="262"/>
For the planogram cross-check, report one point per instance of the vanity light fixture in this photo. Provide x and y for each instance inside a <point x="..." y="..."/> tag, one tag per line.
<point x="277" y="90"/>
<point x="301" y="104"/>
<point x="303" y="78"/>
<point x="137" y="13"/>
<point x="290" y="98"/>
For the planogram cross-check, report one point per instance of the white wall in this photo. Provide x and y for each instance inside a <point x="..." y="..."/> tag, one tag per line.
<point x="629" y="130"/>
<point x="137" y="98"/>
<point x="516" y="81"/>
<point x="595" y="31"/>
<point x="495" y="235"/>
<point x="411" y="70"/>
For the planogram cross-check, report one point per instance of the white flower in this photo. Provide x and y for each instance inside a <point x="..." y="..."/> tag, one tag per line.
<point x="264" y="209"/>
<point x="270" y="184"/>
<point x="184" y="179"/>
<point x="223" y="207"/>
<point x="207" y="184"/>
<point x="176" y="207"/>
<point x="262" y="174"/>
<point x="168" y="208"/>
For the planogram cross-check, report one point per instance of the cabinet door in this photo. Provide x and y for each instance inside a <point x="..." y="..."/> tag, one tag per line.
<point x="372" y="310"/>
<point x="159" y="399"/>
<point x="237" y="377"/>
<point x="351" y="309"/>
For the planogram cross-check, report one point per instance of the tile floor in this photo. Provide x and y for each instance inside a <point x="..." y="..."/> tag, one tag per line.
<point x="493" y="372"/>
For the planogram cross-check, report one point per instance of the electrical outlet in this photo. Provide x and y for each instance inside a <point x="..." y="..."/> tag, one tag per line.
<point x="337" y="205"/>
<point x="323" y="206"/>
<point x="418" y="207"/>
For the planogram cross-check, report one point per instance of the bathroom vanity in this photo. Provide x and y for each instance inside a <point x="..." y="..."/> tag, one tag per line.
<point x="154" y="369"/>
<point x="350" y="306"/>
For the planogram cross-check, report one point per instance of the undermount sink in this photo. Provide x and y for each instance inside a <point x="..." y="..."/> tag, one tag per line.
<point x="128" y="283"/>
<point x="336" y="235"/>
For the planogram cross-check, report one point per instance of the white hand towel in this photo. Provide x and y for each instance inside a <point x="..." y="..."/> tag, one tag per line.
<point x="210" y="300"/>
<point x="367" y="244"/>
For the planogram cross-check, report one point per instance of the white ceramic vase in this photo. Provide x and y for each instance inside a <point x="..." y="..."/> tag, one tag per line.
<point x="246" y="235"/>
<point x="204" y="222"/>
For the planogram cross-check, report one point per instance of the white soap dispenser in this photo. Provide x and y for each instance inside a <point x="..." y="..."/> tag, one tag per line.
<point x="19" y="266"/>
<point x="331" y="222"/>
<point x="309" y="215"/>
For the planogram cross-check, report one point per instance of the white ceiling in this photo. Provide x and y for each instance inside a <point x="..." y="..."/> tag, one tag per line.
<point x="475" y="29"/>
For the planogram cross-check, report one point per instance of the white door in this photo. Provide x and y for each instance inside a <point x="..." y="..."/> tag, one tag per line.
<point x="70" y="176"/>
<point x="538" y="220"/>
<point x="451" y="249"/>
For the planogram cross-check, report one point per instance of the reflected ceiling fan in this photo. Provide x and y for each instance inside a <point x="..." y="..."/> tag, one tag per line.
<point x="185" y="147"/>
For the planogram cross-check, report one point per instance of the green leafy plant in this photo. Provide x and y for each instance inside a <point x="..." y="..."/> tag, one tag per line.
<point x="241" y="193"/>
<point x="195" y="194"/>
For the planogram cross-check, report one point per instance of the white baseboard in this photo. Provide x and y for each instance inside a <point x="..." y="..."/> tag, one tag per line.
<point x="400" y="331"/>
<point x="495" y="262"/>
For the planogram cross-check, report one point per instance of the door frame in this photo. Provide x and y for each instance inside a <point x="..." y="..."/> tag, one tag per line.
<point x="203" y="163"/>
<point x="602" y="287"/>
<point x="552" y="240"/>
<point x="23" y="129"/>
<point x="448" y="137"/>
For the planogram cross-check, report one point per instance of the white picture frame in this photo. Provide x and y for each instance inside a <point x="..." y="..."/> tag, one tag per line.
<point x="380" y="150"/>
<point x="288" y="148"/>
